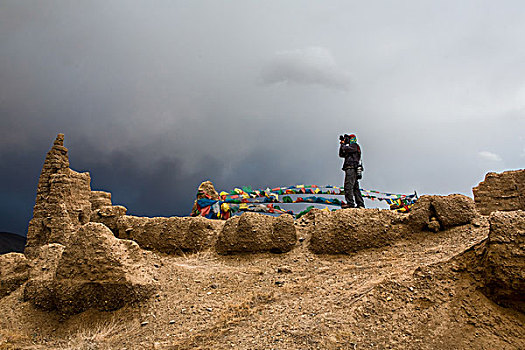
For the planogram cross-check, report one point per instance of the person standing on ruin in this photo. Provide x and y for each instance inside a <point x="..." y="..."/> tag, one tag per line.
<point x="351" y="152"/>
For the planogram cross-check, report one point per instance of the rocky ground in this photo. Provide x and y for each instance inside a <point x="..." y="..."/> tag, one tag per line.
<point x="414" y="294"/>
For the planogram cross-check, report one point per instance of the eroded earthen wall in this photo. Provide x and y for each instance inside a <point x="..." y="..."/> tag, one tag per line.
<point x="504" y="192"/>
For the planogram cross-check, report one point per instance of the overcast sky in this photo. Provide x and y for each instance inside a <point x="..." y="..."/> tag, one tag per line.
<point x="156" y="96"/>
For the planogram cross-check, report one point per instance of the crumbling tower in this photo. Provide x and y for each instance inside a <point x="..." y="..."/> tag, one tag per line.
<point x="62" y="200"/>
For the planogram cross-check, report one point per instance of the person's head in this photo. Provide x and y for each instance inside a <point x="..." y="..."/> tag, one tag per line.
<point x="352" y="138"/>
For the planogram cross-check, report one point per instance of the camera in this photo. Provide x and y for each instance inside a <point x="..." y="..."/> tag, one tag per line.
<point x="344" y="138"/>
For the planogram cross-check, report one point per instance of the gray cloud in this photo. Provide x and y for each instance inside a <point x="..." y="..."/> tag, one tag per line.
<point x="486" y="155"/>
<point x="309" y="66"/>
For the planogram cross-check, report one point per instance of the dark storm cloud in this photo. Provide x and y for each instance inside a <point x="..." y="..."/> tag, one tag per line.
<point x="155" y="97"/>
<point x="18" y="181"/>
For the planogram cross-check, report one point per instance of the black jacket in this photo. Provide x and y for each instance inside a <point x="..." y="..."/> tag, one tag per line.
<point x="352" y="155"/>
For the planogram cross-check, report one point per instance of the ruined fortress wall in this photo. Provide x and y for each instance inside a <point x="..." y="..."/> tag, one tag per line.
<point x="83" y="252"/>
<point x="173" y="235"/>
<point x="65" y="202"/>
<point x="348" y="231"/>
<point x="256" y="233"/>
<point x="504" y="192"/>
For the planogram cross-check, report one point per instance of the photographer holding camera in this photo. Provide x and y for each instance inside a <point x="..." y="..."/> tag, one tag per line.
<point x="351" y="152"/>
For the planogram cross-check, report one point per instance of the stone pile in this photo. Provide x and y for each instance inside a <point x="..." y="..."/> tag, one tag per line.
<point x="205" y="190"/>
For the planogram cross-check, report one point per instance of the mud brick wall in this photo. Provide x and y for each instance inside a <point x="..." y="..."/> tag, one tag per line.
<point x="504" y="192"/>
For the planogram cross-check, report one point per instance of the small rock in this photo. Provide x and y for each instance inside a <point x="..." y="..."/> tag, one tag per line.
<point x="284" y="269"/>
<point x="144" y="323"/>
<point x="172" y="322"/>
<point x="279" y="283"/>
<point x="434" y="225"/>
<point x="209" y="309"/>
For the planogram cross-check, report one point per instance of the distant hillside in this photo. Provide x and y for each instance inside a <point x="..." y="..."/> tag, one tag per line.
<point x="10" y="242"/>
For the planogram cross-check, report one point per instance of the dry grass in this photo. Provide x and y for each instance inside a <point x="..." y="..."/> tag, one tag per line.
<point x="200" y="258"/>
<point x="236" y="312"/>
<point x="11" y="339"/>
<point x="233" y="315"/>
<point x="97" y="337"/>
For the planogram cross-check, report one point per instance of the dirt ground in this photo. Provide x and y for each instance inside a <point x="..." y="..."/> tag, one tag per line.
<point x="413" y="294"/>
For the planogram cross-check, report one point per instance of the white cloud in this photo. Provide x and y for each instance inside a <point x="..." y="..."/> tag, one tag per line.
<point x="486" y="155"/>
<point x="309" y="66"/>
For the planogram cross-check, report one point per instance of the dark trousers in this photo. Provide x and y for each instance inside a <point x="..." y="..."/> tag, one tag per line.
<point x="352" y="189"/>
